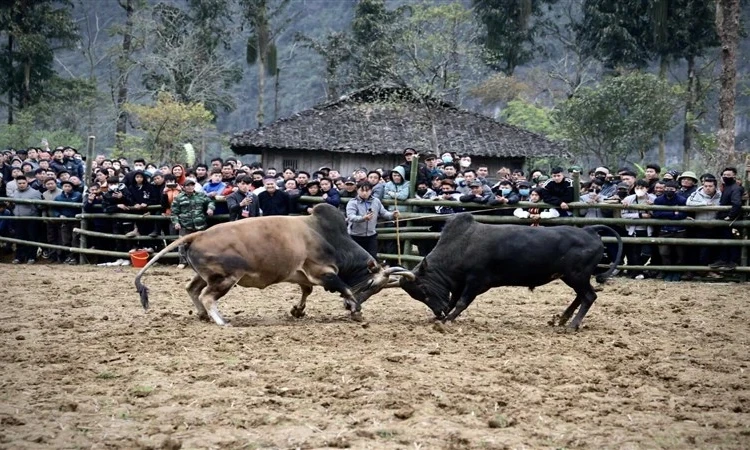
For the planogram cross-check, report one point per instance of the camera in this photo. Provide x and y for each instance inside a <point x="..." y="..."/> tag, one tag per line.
<point x="117" y="189"/>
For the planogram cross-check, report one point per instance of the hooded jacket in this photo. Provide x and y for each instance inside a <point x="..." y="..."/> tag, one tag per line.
<point x="399" y="192"/>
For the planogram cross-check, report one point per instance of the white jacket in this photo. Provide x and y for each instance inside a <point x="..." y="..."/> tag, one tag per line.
<point x="700" y="198"/>
<point x="634" y="214"/>
<point x="543" y="214"/>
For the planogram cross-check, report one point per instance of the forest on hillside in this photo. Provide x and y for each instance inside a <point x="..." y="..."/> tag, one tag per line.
<point x="617" y="82"/>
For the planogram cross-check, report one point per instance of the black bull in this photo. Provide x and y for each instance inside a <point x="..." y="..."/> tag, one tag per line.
<point x="470" y="258"/>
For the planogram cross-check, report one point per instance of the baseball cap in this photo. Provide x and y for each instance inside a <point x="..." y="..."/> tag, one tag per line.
<point x="350" y="180"/>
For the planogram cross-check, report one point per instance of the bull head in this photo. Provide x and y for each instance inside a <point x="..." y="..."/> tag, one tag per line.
<point x="379" y="279"/>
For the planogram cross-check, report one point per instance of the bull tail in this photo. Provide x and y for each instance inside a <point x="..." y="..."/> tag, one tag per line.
<point x="140" y="287"/>
<point x="602" y="277"/>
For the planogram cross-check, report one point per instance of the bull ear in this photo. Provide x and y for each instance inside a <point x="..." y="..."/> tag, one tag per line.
<point x="373" y="266"/>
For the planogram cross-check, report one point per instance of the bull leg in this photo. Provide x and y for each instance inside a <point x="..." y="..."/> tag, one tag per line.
<point x="587" y="297"/>
<point x="194" y="288"/>
<point x="568" y="313"/>
<point x="331" y="282"/>
<point x="211" y="294"/>
<point x="468" y="295"/>
<point x="298" y="310"/>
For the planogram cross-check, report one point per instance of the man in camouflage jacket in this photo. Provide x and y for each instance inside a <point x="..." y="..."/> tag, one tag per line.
<point x="190" y="212"/>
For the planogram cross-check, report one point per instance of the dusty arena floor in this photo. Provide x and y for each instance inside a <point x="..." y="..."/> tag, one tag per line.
<point x="657" y="365"/>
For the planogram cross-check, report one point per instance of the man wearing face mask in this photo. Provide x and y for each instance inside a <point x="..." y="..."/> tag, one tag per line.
<point x="638" y="254"/>
<point x="505" y="194"/>
<point x="671" y="255"/>
<point x="731" y="195"/>
<point x="608" y="187"/>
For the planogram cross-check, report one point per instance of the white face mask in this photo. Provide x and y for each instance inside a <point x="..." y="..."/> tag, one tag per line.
<point x="641" y="192"/>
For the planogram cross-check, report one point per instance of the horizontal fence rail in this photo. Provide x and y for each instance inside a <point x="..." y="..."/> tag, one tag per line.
<point x="415" y="226"/>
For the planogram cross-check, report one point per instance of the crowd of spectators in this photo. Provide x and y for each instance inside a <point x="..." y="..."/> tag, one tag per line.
<point x="189" y="196"/>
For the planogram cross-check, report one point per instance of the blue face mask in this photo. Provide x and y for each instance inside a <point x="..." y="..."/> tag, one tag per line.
<point x="505" y="192"/>
<point x="524" y="192"/>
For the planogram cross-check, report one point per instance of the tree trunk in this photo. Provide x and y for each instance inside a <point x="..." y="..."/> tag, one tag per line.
<point x="10" y="79"/>
<point x="260" y="116"/>
<point x="689" y="126"/>
<point x="26" y="93"/>
<point x="727" y="26"/>
<point x="276" y="95"/>
<point x="663" y="65"/>
<point x="121" y="127"/>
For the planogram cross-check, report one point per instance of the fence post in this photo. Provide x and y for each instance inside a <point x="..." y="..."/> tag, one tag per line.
<point x="743" y="230"/>
<point x="576" y="191"/>
<point x="82" y="238"/>
<point x="413" y="174"/>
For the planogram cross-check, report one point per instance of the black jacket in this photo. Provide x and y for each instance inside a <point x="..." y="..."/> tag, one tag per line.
<point x="731" y="196"/>
<point x="274" y="205"/>
<point x="235" y="210"/>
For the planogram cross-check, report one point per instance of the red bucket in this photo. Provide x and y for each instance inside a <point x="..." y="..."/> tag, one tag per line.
<point x="139" y="258"/>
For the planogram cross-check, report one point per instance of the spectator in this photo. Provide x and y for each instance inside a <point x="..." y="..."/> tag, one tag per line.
<point x="558" y="191"/>
<point x="675" y="254"/>
<point x="92" y="203"/>
<point x="215" y="186"/>
<point x="179" y="174"/>
<point x="117" y="201"/>
<point x="68" y="195"/>
<point x="329" y="193"/>
<point x="272" y="201"/>
<point x="362" y="215"/>
<point x="731" y="195"/>
<point x="422" y="172"/>
<point x="652" y="176"/>
<point x="397" y="189"/>
<point x="638" y="254"/>
<point x="505" y="194"/>
<point x="26" y="230"/>
<point x="706" y="195"/>
<point x="534" y="213"/>
<point x="6" y="226"/>
<point x="593" y="197"/>
<point x="242" y="203"/>
<point x="190" y="212"/>
<point x="313" y="190"/>
<point x="52" y="227"/>
<point x="201" y="174"/>
<point x="476" y="194"/>
<point x="143" y="194"/>
<point x="375" y="180"/>
<point x="688" y="184"/>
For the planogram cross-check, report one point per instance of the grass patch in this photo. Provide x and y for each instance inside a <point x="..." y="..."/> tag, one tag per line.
<point x="107" y="376"/>
<point x="386" y="434"/>
<point x="142" y="391"/>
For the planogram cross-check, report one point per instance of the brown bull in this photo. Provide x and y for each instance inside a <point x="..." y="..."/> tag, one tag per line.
<point x="309" y="251"/>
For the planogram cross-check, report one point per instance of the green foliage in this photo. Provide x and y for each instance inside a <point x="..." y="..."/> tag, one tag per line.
<point x="167" y="125"/>
<point x="620" y="117"/>
<point x="510" y="30"/>
<point x="31" y="32"/>
<point x="24" y="133"/>
<point x="374" y="32"/>
<point x="531" y="117"/>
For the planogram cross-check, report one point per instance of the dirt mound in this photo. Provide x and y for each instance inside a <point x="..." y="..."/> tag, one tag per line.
<point x="656" y="365"/>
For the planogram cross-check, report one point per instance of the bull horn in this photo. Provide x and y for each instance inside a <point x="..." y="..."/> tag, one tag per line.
<point x="401" y="272"/>
<point x="394" y="269"/>
<point x="393" y="284"/>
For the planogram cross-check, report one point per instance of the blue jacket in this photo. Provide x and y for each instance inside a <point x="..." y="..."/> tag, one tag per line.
<point x="677" y="200"/>
<point x="74" y="197"/>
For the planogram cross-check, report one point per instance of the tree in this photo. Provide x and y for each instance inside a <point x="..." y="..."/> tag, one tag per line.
<point x="728" y="27"/>
<point x="618" y="118"/>
<point x="374" y="33"/>
<point x="335" y="49"/>
<point x="32" y="31"/>
<point x="531" y="117"/>
<point x="169" y="123"/>
<point x="261" y="46"/>
<point x="510" y="29"/>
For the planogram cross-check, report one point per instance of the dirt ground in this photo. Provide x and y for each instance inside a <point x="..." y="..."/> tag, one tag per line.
<point x="656" y="365"/>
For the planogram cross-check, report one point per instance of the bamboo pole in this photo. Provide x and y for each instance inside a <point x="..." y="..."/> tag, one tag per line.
<point x="40" y="218"/>
<point x="84" y="232"/>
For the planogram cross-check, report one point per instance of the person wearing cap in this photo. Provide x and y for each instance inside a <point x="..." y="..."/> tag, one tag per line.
<point x="350" y="188"/>
<point x="671" y="255"/>
<point x="688" y="182"/>
<point x="558" y="191"/>
<point x="475" y="194"/>
<point x="430" y="162"/>
<point x="190" y="213"/>
<point x="422" y="173"/>
<point x="68" y="195"/>
<point x="731" y="195"/>
<point x="671" y="174"/>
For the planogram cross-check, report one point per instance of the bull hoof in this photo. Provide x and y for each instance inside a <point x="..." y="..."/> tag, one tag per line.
<point x="204" y="317"/>
<point x="357" y="316"/>
<point x="297" y="313"/>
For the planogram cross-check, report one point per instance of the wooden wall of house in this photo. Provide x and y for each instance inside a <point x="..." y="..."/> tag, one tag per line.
<point x="346" y="163"/>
